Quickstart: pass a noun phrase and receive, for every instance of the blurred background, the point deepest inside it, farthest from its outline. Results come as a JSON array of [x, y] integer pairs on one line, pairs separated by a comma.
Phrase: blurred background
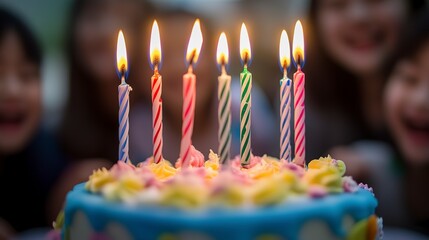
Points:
[[367, 93], [50, 20]]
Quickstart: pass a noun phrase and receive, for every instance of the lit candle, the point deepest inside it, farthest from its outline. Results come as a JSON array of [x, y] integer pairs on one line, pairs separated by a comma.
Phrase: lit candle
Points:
[[189, 94], [156, 83], [285, 98], [299, 94], [246, 99], [224, 96], [124, 104]]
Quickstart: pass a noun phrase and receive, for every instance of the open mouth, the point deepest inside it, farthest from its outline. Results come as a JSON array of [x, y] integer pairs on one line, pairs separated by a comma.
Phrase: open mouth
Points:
[[418, 131], [364, 40], [11, 122]]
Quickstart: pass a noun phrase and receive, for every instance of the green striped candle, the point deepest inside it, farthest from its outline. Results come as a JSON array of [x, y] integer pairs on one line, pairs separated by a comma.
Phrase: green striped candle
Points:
[[224, 95], [246, 99]]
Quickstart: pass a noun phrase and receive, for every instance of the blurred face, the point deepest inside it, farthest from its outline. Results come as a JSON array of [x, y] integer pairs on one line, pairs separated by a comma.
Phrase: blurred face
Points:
[[407, 103], [20, 95], [97, 29], [175, 33], [360, 34]]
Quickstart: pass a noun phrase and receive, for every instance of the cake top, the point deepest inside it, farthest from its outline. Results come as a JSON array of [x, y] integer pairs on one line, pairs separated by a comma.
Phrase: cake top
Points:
[[267, 181]]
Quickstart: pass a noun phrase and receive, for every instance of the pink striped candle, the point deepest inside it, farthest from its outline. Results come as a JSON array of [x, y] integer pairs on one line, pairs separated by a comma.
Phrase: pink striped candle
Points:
[[299, 95], [157, 116], [156, 83], [189, 94], [299, 126]]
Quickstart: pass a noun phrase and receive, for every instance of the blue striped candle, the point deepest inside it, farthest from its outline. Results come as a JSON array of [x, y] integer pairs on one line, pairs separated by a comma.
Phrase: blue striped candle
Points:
[[285, 99], [124, 109], [124, 100]]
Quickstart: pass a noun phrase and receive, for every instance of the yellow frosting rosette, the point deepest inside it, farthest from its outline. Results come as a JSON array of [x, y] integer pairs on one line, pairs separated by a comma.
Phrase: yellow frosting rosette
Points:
[[98, 179], [325, 172], [163, 170], [212, 165], [328, 162], [231, 195], [184, 194], [124, 188], [267, 167], [274, 189]]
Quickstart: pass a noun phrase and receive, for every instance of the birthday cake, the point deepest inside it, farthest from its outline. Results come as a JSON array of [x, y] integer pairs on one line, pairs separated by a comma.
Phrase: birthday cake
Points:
[[270, 199], [249, 197]]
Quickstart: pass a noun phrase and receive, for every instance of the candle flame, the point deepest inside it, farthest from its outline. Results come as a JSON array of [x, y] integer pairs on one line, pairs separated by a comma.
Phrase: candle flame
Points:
[[298, 44], [155, 46], [245, 51], [284, 51], [195, 43], [222, 54], [121, 54]]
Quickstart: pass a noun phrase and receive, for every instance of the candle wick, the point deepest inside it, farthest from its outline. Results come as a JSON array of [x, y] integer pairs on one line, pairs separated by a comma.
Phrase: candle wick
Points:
[[190, 68], [223, 69], [155, 68], [123, 75], [298, 62], [192, 58], [246, 58], [284, 72]]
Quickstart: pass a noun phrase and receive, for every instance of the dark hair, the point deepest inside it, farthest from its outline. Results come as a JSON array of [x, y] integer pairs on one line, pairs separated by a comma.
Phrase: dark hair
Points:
[[416, 35], [8, 23]]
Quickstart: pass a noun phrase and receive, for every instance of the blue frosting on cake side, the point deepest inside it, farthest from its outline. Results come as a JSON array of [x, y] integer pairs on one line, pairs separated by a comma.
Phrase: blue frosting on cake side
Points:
[[284, 220]]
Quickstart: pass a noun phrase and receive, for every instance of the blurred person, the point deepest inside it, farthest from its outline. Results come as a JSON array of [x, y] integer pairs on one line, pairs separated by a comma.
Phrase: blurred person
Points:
[[398, 171], [30, 160], [89, 127], [175, 29], [407, 107], [348, 43]]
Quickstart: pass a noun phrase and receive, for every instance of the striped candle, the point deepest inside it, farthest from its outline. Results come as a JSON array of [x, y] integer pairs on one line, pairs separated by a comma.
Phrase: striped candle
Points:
[[156, 83], [188, 113], [245, 99], [124, 109], [245, 116], [224, 96], [224, 116], [285, 116], [124, 103], [299, 95], [299, 105], [285, 99], [189, 94]]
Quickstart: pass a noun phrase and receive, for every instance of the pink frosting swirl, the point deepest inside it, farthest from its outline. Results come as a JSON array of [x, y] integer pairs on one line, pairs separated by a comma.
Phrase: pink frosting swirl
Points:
[[121, 168], [254, 160], [196, 159], [295, 168]]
